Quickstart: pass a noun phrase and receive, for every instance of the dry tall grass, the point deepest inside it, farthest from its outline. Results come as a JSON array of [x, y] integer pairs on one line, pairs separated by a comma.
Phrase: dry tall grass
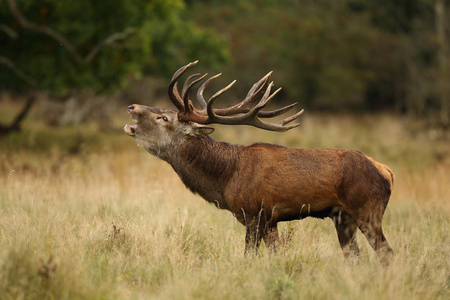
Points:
[[112, 222]]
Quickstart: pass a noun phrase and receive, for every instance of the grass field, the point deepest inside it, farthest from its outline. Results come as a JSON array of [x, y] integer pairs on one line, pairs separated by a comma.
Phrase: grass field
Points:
[[86, 214]]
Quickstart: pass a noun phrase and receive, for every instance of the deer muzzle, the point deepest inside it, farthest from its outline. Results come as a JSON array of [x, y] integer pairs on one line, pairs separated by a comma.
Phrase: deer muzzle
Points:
[[130, 129]]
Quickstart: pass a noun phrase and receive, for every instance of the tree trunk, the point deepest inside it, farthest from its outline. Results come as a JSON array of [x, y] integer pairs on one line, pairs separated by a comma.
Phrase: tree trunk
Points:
[[442, 82], [15, 124]]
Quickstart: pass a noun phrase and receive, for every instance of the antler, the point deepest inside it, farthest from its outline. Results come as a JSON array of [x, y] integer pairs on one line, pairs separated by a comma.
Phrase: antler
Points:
[[247, 112]]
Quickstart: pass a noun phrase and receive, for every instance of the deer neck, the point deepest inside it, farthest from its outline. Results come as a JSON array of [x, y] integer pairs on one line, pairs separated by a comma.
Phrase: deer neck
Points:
[[205, 166]]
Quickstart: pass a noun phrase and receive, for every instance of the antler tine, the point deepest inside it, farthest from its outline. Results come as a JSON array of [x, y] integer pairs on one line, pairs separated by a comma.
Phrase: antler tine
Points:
[[218, 93], [211, 100], [280, 126], [187, 87], [266, 98], [240, 118], [186, 83], [286, 128], [276, 112], [172, 87], [257, 84], [252, 96], [183, 69], [273, 126], [292, 118], [241, 107], [200, 98]]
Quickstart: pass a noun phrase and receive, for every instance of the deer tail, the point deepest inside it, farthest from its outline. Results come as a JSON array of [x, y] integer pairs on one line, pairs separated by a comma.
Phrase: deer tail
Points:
[[385, 172]]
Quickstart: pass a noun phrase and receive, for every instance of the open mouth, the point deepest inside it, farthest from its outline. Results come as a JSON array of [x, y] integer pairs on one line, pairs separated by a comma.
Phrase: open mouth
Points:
[[130, 129]]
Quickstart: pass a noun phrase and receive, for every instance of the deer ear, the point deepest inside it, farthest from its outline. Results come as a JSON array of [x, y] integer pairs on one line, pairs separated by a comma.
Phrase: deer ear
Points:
[[200, 130]]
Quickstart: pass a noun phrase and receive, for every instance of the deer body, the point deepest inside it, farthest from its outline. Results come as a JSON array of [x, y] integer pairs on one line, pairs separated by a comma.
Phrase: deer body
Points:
[[264, 184]]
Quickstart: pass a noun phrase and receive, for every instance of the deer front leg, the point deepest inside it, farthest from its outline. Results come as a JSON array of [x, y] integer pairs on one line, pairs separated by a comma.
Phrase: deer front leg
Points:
[[253, 236]]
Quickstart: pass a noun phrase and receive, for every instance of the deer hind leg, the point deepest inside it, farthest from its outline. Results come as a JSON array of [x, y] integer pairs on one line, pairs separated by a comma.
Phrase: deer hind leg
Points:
[[346, 230], [373, 231]]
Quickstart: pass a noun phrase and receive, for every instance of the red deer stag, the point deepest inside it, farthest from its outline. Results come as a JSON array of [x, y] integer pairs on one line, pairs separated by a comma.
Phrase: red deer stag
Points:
[[264, 184]]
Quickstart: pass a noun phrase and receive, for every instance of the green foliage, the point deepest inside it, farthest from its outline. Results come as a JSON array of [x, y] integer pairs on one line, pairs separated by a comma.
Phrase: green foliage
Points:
[[157, 38], [394, 16]]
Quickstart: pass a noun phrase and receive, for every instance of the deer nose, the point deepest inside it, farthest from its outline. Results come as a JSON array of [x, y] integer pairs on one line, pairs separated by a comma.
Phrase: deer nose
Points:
[[130, 109]]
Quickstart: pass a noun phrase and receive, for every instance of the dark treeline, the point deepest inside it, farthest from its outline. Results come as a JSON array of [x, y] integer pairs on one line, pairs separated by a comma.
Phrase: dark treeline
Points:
[[333, 54], [356, 55]]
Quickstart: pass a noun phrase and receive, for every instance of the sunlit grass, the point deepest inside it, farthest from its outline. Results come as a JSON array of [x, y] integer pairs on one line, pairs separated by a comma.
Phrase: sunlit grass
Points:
[[109, 221]]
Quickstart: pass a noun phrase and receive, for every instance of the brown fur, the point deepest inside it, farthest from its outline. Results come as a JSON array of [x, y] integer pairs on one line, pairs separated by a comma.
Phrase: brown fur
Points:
[[385, 171]]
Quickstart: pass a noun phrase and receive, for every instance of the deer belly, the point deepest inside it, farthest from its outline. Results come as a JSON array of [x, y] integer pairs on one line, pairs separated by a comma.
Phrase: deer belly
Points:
[[296, 211], [304, 202]]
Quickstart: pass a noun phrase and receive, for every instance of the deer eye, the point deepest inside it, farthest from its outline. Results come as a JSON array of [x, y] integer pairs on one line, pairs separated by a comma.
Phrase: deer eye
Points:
[[164, 118]]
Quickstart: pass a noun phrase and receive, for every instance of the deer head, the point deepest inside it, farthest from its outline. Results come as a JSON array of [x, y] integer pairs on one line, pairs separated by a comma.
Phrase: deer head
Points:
[[159, 130]]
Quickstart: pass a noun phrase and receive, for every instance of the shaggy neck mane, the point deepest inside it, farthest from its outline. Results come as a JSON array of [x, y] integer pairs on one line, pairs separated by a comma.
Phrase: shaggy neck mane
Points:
[[205, 166]]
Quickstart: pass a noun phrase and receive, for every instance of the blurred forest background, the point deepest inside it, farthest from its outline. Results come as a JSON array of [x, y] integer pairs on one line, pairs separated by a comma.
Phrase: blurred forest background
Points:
[[331, 55]]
